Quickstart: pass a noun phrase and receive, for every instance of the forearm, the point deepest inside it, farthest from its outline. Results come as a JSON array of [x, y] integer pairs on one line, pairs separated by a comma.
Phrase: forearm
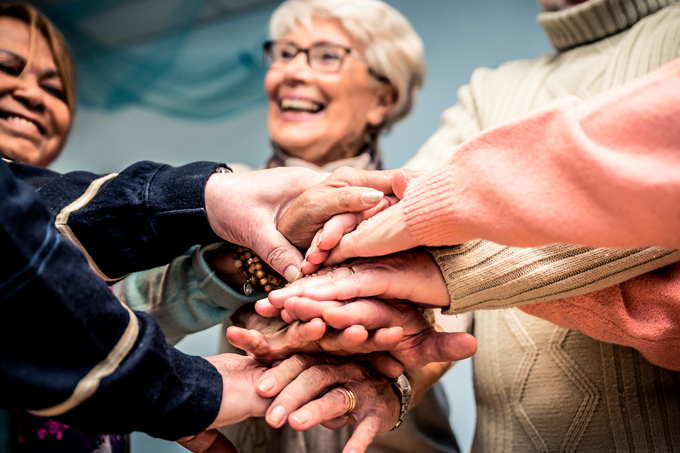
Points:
[[138, 219], [70, 348], [601, 172], [483, 275]]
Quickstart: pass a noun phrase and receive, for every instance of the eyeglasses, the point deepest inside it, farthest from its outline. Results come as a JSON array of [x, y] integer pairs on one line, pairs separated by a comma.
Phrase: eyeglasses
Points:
[[322, 56]]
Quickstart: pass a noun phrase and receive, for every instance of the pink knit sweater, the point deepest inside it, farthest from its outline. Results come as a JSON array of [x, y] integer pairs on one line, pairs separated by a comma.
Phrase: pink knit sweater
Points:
[[603, 172]]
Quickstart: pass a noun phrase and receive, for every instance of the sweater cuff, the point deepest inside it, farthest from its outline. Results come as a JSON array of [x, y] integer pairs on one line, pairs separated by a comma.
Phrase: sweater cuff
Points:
[[428, 210]]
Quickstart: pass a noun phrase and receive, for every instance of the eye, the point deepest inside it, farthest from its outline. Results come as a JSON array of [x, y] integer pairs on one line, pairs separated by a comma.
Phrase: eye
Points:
[[10, 69], [54, 91], [330, 56]]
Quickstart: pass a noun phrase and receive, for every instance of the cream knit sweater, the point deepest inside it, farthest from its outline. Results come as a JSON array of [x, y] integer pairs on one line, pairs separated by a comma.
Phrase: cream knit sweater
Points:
[[539, 386]]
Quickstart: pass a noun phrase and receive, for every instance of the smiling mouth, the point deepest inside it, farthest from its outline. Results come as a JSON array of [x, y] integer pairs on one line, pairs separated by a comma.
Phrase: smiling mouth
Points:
[[12, 118], [300, 106]]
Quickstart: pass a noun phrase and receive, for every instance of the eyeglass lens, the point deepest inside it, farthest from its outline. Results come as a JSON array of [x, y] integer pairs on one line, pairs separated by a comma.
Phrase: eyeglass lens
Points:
[[321, 56]]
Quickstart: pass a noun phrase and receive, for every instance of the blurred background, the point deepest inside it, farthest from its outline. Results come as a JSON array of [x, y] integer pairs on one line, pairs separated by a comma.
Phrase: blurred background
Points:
[[177, 81]]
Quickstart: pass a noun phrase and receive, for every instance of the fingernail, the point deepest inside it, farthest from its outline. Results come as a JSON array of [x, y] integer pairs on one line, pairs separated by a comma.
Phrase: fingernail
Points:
[[267, 385], [291, 273], [406, 177], [301, 416], [276, 415], [304, 263], [318, 243], [274, 292], [371, 196]]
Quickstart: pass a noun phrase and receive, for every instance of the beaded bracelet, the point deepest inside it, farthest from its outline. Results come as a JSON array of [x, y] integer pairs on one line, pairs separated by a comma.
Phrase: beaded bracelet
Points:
[[252, 268]]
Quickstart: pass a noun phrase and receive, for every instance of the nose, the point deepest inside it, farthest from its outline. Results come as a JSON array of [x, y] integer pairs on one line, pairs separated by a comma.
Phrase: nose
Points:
[[29, 93], [298, 68]]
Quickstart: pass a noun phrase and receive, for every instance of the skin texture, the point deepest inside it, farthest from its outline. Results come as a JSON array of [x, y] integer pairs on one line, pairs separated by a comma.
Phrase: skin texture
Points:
[[261, 200], [351, 98], [298, 380], [34, 94]]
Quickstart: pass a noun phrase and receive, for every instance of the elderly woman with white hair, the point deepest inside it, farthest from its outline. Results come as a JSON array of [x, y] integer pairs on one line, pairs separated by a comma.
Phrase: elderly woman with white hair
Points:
[[340, 73]]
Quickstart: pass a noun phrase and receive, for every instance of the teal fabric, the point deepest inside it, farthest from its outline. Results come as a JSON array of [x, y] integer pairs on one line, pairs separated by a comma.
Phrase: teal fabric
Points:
[[8, 429], [193, 71], [185, 296]]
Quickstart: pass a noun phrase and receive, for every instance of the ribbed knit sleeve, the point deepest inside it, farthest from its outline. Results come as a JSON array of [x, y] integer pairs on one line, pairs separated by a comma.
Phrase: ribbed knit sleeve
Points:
[[483, 275]]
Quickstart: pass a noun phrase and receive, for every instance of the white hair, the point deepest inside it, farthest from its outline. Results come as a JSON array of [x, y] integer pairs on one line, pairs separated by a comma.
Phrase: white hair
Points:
[[388, 42]]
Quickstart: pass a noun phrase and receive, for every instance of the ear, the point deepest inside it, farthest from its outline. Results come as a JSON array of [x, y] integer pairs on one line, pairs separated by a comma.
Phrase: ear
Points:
[[385, 98]]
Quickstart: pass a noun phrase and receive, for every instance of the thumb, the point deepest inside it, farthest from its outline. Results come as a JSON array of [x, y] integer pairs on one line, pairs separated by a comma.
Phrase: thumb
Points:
[[280, 254]]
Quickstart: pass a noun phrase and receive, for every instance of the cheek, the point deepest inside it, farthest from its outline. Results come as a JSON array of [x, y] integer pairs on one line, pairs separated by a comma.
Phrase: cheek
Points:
[[61, 117]]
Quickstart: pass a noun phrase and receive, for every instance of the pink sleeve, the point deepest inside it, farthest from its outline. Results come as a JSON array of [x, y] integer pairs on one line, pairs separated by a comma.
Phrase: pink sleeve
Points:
[[643, 313], [603, 172]]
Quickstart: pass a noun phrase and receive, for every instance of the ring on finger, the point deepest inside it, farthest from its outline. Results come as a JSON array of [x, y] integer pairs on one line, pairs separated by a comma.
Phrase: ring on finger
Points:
[[352, 399]]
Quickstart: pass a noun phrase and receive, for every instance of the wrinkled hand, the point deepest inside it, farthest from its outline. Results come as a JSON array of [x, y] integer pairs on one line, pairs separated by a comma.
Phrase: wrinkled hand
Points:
[[239, 397], [333, 231], [412, 276], [346, 191], [298, 381], [394, 326], [244, 209], [272, 339], [208, 441]]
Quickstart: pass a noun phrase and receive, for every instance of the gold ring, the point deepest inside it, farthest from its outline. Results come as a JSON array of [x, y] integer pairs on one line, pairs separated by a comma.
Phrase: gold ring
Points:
[[352, 399]]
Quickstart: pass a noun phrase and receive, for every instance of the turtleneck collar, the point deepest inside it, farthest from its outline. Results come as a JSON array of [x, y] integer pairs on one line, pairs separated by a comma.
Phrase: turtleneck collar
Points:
[[368, 159], [594, 20]]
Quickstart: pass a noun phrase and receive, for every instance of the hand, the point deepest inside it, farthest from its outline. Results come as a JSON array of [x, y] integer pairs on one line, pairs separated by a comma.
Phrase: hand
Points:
[[412, 276], [244, 209], [382, 234], [333, 231], [208, 441], [239, 397], [345, 191], [396, 327], [298, 382]]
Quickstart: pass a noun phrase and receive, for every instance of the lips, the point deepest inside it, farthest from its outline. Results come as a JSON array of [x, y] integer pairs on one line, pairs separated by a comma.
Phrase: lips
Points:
[[297, 105]]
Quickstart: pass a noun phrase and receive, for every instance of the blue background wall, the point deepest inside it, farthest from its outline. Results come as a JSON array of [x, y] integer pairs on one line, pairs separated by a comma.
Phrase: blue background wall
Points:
[[114, 128]]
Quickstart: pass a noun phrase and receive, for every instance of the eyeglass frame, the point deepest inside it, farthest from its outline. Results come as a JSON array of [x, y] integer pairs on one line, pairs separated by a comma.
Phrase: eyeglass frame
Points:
[[267, 45]]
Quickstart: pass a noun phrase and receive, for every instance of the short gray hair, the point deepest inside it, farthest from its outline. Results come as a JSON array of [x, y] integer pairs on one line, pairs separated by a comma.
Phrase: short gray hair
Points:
[[389, 43]]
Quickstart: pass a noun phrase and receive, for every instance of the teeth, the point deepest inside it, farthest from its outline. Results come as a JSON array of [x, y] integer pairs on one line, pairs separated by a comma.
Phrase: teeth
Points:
[[302, 105], [22, 121]]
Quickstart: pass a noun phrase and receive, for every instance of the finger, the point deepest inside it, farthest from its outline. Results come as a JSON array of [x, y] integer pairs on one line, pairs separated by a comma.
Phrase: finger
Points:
[[364, 433], [385, 364], [332, 405], [274, 379], [208, 441], [336, 423], [280, 254], [349, 340], [305, 309], [266, 309], [400, 180], [380, 235], [287, 317], [303, 389], [371, 313], [443, 347], [248, 340]]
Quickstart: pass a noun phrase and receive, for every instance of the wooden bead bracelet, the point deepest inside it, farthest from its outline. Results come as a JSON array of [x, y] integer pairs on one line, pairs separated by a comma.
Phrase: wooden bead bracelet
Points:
[[253, 269]]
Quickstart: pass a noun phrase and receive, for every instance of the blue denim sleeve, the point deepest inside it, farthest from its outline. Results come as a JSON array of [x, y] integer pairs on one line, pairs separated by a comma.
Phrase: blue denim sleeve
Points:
[[70, 350]]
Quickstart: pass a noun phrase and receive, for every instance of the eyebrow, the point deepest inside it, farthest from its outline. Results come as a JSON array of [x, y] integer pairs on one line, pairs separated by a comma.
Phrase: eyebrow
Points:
[[50, 73]]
